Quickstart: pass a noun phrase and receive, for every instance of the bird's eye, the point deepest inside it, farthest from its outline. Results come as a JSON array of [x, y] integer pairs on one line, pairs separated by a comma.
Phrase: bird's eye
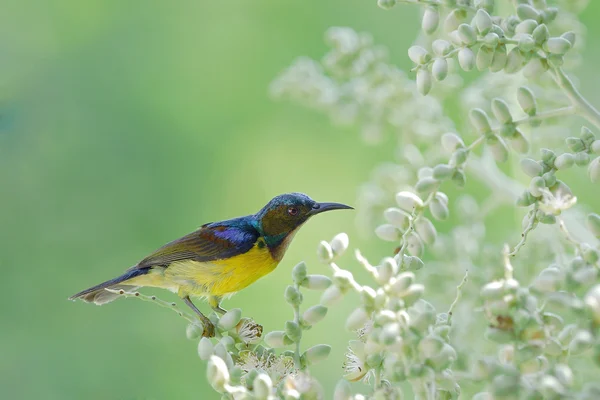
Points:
[[293, 211]]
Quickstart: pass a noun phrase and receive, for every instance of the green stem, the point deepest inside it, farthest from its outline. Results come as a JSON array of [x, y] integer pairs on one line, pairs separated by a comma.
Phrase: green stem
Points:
[[587, 110], [297, 361]]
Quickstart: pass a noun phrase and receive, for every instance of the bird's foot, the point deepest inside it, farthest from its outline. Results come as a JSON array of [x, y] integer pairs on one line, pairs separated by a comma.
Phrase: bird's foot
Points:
[[209, 329]]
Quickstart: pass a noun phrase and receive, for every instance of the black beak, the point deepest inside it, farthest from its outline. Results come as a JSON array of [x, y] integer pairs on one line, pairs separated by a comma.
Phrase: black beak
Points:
[[322, 207]]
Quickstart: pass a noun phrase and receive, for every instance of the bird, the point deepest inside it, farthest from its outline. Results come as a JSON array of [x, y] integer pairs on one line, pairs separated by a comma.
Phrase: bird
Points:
[[218, 259]]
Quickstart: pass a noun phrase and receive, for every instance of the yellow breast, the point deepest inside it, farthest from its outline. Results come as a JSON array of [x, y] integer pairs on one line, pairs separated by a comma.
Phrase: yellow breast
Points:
[[222, 277]]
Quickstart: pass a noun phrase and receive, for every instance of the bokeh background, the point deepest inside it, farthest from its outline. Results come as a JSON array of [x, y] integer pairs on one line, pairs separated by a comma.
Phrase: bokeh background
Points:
[[124, 125]]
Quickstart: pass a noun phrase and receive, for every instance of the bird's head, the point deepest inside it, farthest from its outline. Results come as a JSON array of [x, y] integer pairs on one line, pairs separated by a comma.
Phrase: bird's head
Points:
[[284, 214]]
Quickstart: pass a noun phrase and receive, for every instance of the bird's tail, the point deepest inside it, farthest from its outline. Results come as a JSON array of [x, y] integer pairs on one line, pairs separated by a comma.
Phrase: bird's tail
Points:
[[98, 295]]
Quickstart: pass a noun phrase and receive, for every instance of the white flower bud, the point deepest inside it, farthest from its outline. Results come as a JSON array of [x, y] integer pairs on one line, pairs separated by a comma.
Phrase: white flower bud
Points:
[[593, 224], [519, 142], [263, 386], [454, 19], [316, 353], [205, 348], [526, 100], [499, 60], [314, 314], [339, 244], [292, 296], [415, 245], [594, 170], [525, 11], [293, 331], [194, 330], [402, 282], [299, 272], [275, 339], [217, 373], [531, 167], [324, 252], [413, 293], [592, 301], [582, 341], [570, 36], [498, 148], [342, 390], [409, 201], [526, 43], [386, 4], [466, 58], [483, 21], [357, 319], [439, 69], [438, 209], [450, 142], [331, 296], [441, 47], [419, 55], [467, 34], [387, 232], [316, 282], [501, 111], [541, 34], [535, 68], [557, 45], [431, 20], [386, 270], [564, 374], [515, 61], [426, 230], [424, 81], [484, 58], [427, 185], [564, 161], [480, 121], [396, 217], [526, 26]]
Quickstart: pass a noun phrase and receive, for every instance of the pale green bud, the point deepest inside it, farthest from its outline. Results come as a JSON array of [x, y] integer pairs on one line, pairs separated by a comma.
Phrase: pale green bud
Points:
[[526, 100], [557, 45], [387, 232], [582, 159], [263, 386], [205, 348], [535, 68], [194, 330], [546, 218], [299, 272], [444, 358], [491, 40], [230, 319], [467, 34], [455, 39], [555, 60], [413, 293], [331, 296], [454, 18], [575, 144], [430, 346], [441, 47], [582, 341], [425, 172], [484, 58], [536, 185], [439, 210], [439, 69], [223, 354], [426, 230], [342, 390], [526, 26], [316, 282], [419, 55], [525, 11], [412, 263], [483, 21], [451, 142], [466, 58], [570, 36], [480, 121], [415, 245], [431, 20], [548, 156], [550, 387], [593, 224], [396, 217], [499, 60], [501, 111], [339, 243], [443, 171], [276, 339], [515, 61], [592, 302], [498, 148], [590, 255], [525, 199], [459, 178], [541, 34], [427, 185], [459, 157], [402, 282], [390, 334], [564, 374], [526, 43], [293, 331], [316, 353], [595, 147], [386, 270], [549, 280], [564, 161], [408, 201], [550, 13], [519, 142], [217, 373], [314, 314], [357, 319], [324, 252], [386, 4], [292, 296], [531, 167], [424, 81], [594, 170], [493, 290]]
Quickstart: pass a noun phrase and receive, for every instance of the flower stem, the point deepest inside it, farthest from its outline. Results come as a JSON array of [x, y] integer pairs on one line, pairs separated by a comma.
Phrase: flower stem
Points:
[[587, 110]]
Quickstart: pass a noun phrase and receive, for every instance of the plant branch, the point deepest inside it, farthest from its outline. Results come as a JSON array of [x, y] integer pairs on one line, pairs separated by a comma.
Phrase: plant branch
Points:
[[587, 110]]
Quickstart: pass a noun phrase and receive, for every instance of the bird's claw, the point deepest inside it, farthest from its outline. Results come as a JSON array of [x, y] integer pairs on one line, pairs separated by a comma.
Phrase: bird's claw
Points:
[[209, 329]]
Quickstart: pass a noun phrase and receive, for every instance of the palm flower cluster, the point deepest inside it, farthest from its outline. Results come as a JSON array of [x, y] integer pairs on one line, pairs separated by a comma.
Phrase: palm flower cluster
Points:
[[524, 320]]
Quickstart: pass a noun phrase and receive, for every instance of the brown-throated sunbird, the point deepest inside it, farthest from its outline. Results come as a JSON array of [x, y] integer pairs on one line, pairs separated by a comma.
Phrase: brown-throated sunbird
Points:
[[220, 258]]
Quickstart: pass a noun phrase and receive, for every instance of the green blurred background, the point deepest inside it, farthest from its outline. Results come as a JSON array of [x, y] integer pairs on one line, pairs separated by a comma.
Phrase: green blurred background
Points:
[[124, 125]]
